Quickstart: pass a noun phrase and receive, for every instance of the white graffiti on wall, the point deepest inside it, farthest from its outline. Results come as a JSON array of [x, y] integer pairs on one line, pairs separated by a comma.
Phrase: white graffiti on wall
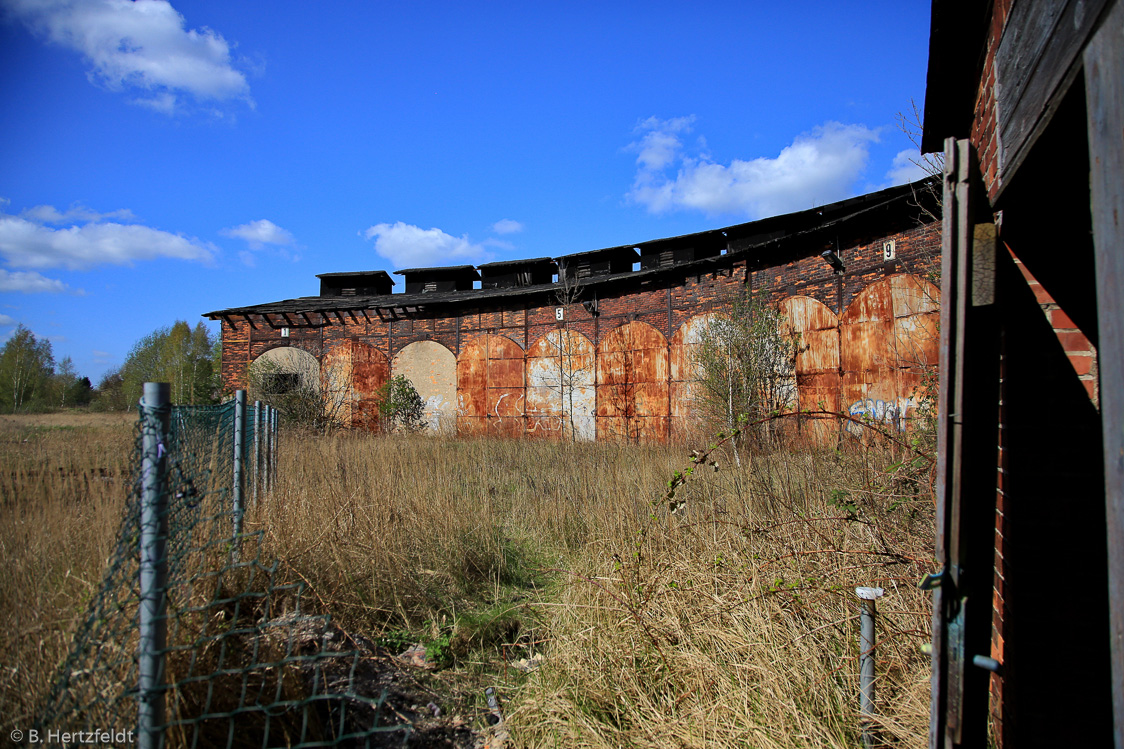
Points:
[[439, 414], [879, 411]]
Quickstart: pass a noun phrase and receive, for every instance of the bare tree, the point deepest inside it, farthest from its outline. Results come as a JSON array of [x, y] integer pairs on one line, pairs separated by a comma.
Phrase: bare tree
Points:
[[575, 376], [928, 196], [744, 365]]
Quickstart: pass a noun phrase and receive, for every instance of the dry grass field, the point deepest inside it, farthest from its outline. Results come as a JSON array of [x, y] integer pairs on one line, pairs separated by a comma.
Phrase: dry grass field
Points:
[[63, 479], [731, 622]]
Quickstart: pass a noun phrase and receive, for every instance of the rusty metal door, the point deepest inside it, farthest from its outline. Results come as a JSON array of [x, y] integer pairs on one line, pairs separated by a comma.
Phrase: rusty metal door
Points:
[[685, 395], [816, 331], [632, 384], [364, 371], [888, 349], [490, 387]]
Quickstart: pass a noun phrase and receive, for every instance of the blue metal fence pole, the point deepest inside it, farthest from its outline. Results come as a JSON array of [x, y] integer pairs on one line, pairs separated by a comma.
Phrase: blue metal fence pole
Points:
[[257, 449], [239, 455], [153, 565], [276, 443]]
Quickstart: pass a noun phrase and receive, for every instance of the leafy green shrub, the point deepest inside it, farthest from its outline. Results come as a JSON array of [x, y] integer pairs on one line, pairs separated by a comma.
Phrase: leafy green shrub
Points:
[[401, 406]]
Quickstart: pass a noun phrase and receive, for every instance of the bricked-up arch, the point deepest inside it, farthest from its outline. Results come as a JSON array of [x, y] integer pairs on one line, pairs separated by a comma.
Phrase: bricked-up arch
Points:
[[685, 397], [816, 332], [283, 370], [561, 386], [889, 343], [355, 373], [632, 384], [490, 387], [432, 369]]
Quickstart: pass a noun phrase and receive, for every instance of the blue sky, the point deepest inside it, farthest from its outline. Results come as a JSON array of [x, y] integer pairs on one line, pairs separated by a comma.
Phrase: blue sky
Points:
[[163, 159]]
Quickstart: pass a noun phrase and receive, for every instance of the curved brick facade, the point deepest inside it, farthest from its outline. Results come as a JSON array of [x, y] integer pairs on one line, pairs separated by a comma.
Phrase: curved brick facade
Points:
[[614, 361]]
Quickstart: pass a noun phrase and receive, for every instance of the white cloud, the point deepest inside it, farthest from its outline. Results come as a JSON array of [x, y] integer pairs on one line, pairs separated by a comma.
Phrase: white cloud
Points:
[[141, 45], [819, 167], [48, 214], [260, 233], [7, 319], [27, 244], [164, 103], [507, 226], [660, 144], [30, 282], [905, 168], [408, 246]]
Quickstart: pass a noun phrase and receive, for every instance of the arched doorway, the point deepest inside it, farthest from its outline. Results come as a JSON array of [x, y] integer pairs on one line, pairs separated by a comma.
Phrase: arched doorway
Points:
[[561, 386], [889, 349], [432, 369], [632, 384], [352, 377], [490, 387]]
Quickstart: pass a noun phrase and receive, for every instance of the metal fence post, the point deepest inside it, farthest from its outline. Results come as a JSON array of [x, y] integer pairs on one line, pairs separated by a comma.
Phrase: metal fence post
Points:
[[153, 565], [257, 450], [266, 447], [867, 597], [239, 454], [271, 427], [275, 443], [266, 440]]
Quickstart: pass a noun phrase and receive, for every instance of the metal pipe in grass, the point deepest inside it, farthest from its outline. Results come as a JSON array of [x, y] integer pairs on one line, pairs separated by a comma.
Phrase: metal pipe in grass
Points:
[[153, 575], [867, 598]]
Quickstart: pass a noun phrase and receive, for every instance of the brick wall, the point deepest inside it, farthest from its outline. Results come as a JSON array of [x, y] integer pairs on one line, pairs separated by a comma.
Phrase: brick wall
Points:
[[665, 303]]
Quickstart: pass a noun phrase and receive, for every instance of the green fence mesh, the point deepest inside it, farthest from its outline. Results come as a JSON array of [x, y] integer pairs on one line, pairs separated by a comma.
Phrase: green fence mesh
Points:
[[244, 665]]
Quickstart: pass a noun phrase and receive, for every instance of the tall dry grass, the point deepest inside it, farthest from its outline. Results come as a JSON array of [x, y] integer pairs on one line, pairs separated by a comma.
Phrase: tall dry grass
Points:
[[397, 530], [735, 622], [731, 622], [63, 481]]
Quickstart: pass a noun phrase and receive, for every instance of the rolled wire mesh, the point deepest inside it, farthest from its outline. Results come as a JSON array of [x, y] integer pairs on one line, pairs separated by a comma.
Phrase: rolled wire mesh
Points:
[[244, 665]]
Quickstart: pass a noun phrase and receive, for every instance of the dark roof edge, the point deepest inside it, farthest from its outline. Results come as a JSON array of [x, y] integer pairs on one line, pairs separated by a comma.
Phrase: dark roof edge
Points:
[[958, 31], [442, 269], [513, 263], [342, 274], [864, 204]]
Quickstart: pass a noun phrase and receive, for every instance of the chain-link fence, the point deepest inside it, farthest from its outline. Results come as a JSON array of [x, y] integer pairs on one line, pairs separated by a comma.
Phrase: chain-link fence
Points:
[[191, 639]]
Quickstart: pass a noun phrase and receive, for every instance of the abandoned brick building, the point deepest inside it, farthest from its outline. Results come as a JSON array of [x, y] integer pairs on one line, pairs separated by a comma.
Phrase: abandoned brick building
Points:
[[1026, 100], [599, 344]]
